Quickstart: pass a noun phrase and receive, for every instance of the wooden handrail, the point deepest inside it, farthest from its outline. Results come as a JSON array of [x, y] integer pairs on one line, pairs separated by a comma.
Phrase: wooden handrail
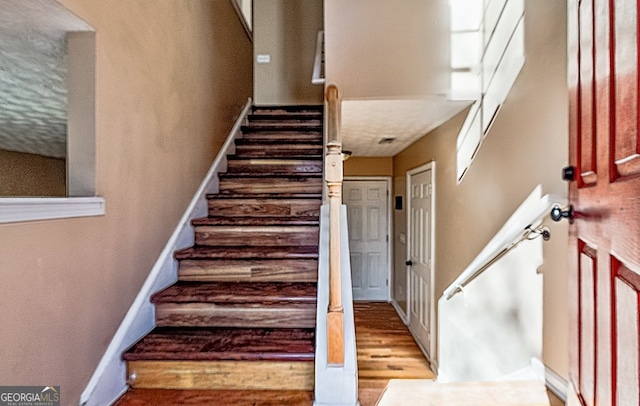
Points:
[[333, 179]]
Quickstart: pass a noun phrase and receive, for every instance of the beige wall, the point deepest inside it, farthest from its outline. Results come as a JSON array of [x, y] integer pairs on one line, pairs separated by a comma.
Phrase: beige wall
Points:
[[31, 175], [171, 77], [287, 31], [365, 166], [527, 146], [382, 48]]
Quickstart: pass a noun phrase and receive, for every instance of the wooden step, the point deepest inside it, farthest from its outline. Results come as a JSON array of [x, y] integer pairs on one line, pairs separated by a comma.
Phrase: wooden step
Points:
[[280, 185], [236, 304], [299, 207], [228, 344], [256, 221], [236, 375], [221, 397], [289, 110], [248, 270], [278, 165], [297, 252], [282, 116], [283, 147], [250, 235], [268, 136], [278, 151]]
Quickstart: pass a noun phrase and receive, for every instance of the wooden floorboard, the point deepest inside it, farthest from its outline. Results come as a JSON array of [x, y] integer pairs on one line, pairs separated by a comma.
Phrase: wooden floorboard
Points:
[[164, 397], [386, 350]]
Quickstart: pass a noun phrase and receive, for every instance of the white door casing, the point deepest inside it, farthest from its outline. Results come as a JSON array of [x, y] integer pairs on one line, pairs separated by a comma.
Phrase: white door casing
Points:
[[420, 253], [367, 201]]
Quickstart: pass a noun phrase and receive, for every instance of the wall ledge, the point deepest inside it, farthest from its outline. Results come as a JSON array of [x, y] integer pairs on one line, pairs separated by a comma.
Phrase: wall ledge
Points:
[[22, 209]]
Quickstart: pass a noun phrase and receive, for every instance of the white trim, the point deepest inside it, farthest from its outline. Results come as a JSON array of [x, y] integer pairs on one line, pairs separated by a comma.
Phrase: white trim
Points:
[[389, 220], [316, 76], [19, 209], [109, 379], [556, 383], [433, 330], [401, 314], [245, 24]]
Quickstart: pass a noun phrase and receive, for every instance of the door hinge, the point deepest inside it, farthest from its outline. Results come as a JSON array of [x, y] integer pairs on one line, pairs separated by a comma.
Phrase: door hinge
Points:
[[430, 189], [387, 282]]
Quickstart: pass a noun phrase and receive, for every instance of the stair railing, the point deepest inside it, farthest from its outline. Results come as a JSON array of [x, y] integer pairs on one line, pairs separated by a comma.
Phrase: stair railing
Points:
[[336, 366], [333, 179]]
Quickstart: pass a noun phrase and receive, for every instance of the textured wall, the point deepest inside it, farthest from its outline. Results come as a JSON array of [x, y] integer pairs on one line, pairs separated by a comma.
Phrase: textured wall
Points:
[[527, 146], [31, 175], [33, 71], [171, 78]]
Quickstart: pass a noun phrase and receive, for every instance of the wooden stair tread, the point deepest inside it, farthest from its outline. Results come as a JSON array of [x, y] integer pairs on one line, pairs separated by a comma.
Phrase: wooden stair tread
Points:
[[140, 397], [167, 343], [284, 252], [287, 141], [275, 115], [260, 293], [301, 196], [291, 159], [257, 221], [289, 109], [295, 175]]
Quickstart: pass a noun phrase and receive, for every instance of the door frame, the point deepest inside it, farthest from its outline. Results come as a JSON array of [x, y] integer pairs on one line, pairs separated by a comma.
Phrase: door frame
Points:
[[386, 179], [431, 351]]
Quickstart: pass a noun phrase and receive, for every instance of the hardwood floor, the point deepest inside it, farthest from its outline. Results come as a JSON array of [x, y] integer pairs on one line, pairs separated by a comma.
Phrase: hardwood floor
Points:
[[386, 350]]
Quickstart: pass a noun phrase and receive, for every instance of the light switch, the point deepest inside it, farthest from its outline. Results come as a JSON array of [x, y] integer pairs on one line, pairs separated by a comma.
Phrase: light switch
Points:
[[263, 58]]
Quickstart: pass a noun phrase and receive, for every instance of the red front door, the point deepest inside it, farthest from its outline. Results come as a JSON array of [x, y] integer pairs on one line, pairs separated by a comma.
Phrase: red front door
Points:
[[605, 236]]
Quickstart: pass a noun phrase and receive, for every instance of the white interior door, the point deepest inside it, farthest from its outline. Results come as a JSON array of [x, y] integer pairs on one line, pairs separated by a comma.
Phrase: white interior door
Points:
[[367, 207], [420, 252]]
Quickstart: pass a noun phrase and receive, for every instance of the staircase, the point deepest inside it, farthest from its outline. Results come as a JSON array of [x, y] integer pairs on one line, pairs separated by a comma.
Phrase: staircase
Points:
[[242, 314]]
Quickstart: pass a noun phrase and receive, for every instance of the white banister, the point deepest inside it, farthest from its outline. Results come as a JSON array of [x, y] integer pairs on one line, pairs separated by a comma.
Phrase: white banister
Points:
[[333, 179]]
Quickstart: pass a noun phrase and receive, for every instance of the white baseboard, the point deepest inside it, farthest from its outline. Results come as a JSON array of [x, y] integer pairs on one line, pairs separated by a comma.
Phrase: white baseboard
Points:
[[401, 314], [556, 384], [108, 382]]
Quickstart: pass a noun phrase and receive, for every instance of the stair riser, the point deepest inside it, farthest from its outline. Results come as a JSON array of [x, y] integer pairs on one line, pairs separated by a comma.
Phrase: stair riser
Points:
[[283, 150], [278, 121], [264, 207], [278, 187], [275, 236], [248, 375], [248, 270], [314, 138], [302, 315], [274, 166]]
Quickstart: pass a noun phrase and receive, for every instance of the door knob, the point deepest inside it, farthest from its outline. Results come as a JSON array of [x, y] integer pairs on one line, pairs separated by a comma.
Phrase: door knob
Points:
[[409, 263], [558, 214]]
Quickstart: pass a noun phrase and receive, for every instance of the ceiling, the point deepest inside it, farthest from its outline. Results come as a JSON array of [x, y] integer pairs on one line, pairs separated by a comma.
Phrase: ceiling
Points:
[[33, 70], [365, 123]]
